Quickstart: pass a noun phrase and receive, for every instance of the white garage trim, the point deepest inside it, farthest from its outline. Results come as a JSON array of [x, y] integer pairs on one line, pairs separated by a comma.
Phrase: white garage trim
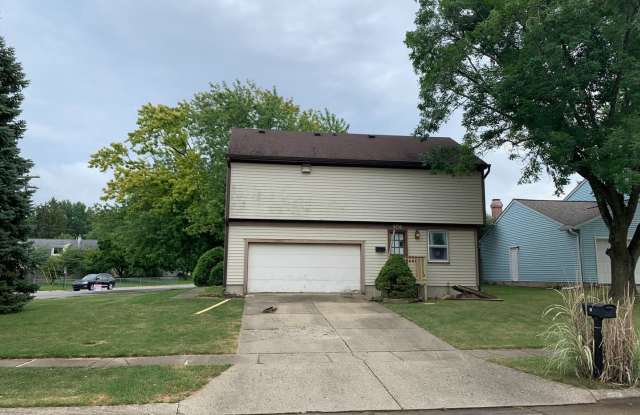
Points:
[[248, 242]]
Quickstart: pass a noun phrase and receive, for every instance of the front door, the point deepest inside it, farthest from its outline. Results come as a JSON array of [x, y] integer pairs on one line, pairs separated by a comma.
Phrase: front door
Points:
[[514, 259]]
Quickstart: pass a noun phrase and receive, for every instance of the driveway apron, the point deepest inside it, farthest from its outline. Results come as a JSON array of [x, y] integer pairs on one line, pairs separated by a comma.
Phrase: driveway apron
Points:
[[331, 353]]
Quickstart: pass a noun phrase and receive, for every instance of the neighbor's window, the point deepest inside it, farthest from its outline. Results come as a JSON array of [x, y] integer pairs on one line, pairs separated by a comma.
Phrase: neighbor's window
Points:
[[438, 246], [57, 250], [396, 242]]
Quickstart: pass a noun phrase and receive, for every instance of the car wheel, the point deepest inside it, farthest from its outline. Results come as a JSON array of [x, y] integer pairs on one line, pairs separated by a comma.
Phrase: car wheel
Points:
[[110, 287], [76, 289], [90, 287]]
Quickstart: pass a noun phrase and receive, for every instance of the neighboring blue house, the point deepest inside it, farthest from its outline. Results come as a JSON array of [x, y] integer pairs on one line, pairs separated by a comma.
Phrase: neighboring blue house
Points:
[[549, 242]]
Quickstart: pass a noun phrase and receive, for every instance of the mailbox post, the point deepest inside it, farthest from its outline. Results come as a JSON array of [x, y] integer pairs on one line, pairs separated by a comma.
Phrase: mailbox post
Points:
[[598, 312]]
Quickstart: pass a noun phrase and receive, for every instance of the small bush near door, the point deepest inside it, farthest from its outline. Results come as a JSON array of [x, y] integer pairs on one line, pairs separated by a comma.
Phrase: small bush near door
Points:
[[208, 270], [395, 279]]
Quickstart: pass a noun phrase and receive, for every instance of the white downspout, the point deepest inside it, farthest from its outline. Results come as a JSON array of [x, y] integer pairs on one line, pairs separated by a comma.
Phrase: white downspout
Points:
[[576, 233]]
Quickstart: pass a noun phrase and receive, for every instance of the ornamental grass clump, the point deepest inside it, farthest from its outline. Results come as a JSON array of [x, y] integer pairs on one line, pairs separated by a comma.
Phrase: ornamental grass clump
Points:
[[569, 337]]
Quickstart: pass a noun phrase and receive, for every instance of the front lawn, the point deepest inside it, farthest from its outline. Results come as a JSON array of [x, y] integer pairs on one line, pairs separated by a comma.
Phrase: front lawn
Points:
[[516, 322], [140, 324], [105, 386]]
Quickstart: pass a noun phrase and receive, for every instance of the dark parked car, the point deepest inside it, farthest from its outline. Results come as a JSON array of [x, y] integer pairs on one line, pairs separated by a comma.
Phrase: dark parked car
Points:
[[91, 280]]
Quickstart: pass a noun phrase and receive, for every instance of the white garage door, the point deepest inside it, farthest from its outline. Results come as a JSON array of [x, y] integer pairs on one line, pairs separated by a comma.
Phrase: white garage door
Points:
[[298, 267], [604, 263]]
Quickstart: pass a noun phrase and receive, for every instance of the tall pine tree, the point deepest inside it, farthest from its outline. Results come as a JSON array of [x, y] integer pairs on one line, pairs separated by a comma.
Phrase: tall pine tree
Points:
[[15, 193]]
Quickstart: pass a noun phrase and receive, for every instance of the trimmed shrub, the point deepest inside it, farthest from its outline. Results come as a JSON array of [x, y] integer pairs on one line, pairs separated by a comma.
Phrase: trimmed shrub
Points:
[[395, 279], [206, 263], [217, 274]]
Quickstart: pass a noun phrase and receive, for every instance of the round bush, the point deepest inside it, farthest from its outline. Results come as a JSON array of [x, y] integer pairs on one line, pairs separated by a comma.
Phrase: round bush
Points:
[[217, 274], [395, 279], [205, 265]]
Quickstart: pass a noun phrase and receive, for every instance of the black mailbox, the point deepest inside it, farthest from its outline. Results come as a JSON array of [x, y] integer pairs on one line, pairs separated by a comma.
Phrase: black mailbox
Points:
[[381, 249], [600, 310]]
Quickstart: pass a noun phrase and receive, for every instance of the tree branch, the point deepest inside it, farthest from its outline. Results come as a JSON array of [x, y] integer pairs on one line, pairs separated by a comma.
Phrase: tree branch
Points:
[[600, 193]]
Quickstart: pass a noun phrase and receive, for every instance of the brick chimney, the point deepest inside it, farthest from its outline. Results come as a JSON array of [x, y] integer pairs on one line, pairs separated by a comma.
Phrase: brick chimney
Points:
[[496, 208]]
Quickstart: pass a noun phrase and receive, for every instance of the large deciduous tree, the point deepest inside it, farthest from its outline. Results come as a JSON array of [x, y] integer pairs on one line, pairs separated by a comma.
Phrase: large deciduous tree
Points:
[[15, 193], [556, 82], [60, 218], [169, 174]]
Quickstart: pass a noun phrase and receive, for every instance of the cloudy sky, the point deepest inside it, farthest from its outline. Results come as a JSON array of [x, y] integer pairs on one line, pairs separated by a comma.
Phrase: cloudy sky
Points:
[[92, 64]]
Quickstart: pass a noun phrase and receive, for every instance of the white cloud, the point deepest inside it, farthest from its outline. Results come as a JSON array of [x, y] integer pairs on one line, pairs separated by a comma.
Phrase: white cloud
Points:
[[73, 181], [93, 64]]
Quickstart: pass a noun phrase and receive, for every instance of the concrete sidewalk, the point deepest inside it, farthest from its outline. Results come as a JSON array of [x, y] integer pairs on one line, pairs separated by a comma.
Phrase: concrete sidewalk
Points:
[[629, 406], [333, 353], [249, 358]]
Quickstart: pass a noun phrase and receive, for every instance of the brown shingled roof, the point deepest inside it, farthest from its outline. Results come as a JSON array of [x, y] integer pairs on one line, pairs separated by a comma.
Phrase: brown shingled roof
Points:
[[336, 149], [564, 211]]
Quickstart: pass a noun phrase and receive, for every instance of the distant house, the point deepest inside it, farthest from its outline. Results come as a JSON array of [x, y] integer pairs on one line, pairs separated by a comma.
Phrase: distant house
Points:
[[548, 241], [58, 246]]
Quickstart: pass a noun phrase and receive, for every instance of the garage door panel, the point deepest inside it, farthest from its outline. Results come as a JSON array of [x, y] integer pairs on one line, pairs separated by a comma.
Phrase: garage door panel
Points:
[[318, 267]]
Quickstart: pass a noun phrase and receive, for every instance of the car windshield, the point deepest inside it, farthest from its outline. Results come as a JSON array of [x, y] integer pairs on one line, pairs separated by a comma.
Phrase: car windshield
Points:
[[89, 277]]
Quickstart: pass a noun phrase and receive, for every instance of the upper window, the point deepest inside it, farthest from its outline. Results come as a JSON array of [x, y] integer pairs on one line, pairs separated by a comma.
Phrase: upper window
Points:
[[397, 242], [438, 246]]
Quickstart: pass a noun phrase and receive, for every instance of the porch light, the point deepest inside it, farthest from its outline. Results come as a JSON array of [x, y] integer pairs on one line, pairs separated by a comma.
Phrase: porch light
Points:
[[417, 234], [305, 168]]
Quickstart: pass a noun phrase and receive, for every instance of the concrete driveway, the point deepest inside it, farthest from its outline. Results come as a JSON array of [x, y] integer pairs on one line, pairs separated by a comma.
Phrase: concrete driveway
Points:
[[334, 353]]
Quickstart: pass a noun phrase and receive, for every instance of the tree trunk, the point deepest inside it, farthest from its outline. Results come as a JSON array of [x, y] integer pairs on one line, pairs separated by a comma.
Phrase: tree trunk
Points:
[[622, 267]]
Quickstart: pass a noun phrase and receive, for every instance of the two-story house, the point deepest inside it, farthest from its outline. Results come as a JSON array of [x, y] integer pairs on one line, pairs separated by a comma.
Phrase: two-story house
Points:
[[549, 242], [321, 212]]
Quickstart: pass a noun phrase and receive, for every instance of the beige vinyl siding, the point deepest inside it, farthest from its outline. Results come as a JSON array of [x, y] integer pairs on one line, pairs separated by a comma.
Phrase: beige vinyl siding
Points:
[[461, 269], [364, 194], [462, 249]]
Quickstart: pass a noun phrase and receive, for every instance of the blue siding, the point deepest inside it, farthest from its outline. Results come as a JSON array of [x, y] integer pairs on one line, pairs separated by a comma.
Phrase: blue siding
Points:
[[582, 193], [547, 254], [588, 232]]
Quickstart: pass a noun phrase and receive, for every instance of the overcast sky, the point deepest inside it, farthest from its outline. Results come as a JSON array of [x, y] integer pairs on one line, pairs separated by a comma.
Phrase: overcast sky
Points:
[[92, 64]]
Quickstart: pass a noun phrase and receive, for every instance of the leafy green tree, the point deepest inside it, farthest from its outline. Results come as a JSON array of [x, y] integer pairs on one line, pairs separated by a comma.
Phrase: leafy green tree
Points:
[[52, 269], [556, 82], [74, 261], [15, 193], [106, 225], [169, 174], [60, 218]]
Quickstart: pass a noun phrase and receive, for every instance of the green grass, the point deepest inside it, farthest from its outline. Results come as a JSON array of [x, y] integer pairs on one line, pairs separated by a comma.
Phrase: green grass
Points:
[[129, 282], [21, 387], [516, 322], [536, 365], [140, 324]]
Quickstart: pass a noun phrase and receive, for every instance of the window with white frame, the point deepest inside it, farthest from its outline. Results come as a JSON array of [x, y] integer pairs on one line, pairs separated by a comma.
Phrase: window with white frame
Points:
[[396, 242], [438, 246]]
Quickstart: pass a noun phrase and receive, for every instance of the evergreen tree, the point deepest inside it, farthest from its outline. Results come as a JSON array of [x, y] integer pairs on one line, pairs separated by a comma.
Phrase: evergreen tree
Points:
[[15, 193]]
